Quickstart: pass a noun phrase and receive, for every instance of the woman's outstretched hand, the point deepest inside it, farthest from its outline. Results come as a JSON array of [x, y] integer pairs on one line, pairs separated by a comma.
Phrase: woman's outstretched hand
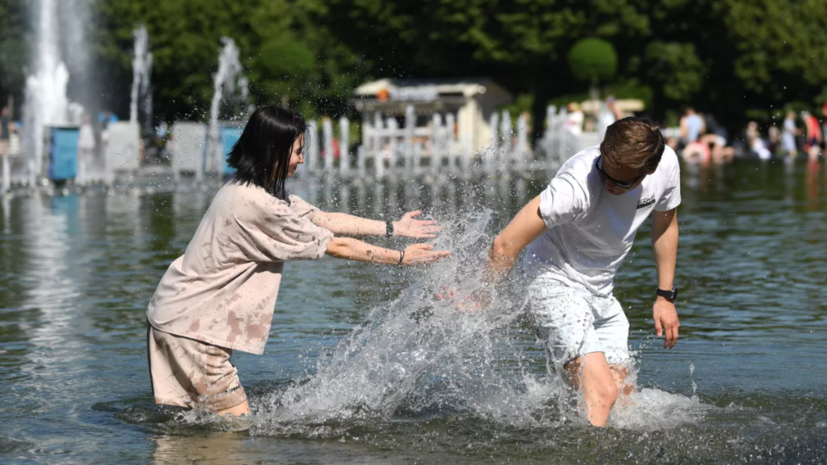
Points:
[[476, 301], [409, 226], [422, 254]]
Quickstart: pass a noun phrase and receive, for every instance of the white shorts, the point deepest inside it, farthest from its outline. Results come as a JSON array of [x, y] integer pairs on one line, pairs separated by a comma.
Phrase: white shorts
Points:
[[574, 322]]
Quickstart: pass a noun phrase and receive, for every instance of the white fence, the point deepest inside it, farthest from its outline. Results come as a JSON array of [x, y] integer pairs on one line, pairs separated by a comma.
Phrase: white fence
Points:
[[388, 149], [117, 154], [409, 150]]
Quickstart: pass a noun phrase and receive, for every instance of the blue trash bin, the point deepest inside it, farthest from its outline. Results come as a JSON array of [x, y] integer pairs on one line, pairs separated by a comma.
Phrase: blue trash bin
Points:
[[229, 136], [63, 153]]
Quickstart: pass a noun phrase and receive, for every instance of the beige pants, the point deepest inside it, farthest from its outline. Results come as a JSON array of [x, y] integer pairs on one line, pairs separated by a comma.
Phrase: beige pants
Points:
[[185, 373]]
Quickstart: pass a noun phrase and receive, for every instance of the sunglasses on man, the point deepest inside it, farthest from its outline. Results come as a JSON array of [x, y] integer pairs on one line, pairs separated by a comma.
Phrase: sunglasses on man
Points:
[[620, 184]]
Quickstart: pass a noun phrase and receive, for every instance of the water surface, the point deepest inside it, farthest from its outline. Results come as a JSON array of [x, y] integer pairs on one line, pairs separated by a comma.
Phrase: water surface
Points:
[[363, 367]]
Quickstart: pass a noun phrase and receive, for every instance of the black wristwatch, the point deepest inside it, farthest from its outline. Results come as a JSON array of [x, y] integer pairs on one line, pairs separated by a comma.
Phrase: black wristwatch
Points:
[[668, 295]]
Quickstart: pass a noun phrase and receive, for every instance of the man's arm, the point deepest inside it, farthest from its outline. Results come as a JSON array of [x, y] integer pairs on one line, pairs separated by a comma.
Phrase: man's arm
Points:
[[665, 246], [521, 231], [342, 223]]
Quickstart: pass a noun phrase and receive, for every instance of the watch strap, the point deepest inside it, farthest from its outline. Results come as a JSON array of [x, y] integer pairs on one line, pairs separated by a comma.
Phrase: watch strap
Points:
[[669, 295]]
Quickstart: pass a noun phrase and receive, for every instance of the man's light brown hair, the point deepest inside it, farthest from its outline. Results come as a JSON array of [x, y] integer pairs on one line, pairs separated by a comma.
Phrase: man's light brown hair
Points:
[[634, 143]]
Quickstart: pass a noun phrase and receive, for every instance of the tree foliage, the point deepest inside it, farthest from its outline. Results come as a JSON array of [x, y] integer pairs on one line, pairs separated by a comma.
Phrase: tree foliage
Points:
[[723, 56], [14, 49], [675, 68], [592, 59], [286, 56], [782, 45]]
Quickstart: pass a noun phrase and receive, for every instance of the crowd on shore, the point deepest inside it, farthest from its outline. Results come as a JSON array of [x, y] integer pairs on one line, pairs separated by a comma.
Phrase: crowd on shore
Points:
[[700, 139]]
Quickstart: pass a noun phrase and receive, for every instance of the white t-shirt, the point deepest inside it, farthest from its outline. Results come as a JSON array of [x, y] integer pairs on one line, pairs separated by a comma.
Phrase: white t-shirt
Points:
[[590, 229]]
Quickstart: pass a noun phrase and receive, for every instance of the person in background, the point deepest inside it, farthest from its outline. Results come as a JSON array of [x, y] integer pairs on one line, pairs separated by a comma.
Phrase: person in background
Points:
[[617, 112], [104, 118], [86, 150], [814, 137], [756, 143], [697, 152], [574, 119], [788, 136], [824, 125], [691, 127], [773, 138], [715, 138], [524, 120]]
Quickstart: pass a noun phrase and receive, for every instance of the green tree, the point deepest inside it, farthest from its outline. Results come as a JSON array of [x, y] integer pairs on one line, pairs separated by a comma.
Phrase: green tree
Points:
[[14, 50], [724, 56], [675, 69], [285, 55], [593, 60], [782, 47], [519, 43]]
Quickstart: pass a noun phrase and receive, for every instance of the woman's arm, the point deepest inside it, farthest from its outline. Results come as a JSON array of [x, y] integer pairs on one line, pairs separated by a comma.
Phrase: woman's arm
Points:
[[350, 225], [353, 249]]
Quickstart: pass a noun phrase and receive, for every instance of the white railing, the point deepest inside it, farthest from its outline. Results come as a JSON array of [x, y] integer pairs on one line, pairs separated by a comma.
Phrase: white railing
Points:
[[387, 150], [436, 149]]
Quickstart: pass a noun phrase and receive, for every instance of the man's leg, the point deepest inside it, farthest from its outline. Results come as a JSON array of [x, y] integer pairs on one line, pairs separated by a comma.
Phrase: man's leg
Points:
[[612, 328], [592, 375], [565, 321]]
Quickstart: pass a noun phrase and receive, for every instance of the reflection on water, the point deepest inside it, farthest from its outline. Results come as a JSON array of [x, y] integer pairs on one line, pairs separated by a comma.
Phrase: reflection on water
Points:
[[745, 382]]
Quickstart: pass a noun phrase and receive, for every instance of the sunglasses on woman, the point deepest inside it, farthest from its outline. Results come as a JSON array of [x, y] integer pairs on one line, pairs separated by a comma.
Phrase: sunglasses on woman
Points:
[[620, 184]]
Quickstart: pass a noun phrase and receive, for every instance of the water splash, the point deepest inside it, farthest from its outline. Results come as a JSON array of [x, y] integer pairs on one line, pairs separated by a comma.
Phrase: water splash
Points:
[[417, 356], [46, 100], [227, 79], [694, 385], [141, 71]]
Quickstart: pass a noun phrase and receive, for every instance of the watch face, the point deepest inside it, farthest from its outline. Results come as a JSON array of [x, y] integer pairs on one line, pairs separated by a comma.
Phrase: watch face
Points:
[[669, 295]]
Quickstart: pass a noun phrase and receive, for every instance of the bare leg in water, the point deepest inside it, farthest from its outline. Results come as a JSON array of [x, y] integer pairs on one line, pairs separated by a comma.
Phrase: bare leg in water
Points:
[[601, 384]]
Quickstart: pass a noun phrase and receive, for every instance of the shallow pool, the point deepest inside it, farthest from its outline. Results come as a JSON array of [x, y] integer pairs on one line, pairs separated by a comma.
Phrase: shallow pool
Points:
[[363, 366]]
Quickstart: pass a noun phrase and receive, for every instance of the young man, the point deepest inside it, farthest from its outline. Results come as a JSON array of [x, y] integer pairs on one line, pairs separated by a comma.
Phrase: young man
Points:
[[578, 231]]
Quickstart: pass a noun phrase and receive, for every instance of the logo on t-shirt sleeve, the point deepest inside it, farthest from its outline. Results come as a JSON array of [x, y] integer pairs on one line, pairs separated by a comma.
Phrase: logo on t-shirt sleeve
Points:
[[646, 202]]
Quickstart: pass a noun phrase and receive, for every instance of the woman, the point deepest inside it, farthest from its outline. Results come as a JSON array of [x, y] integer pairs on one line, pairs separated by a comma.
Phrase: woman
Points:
[[220, 295]]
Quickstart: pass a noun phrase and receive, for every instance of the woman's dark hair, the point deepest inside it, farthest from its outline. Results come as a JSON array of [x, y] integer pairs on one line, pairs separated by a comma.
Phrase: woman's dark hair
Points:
[[265, 145]]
